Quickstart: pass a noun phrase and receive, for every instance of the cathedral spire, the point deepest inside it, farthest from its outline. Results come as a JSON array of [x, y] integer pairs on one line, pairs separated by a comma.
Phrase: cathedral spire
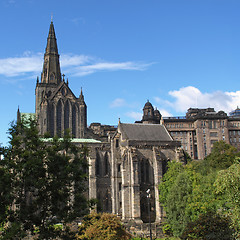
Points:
[[51, 68]]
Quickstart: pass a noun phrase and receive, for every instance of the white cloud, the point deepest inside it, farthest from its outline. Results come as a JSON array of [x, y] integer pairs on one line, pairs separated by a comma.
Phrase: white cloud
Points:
[[69, 60], [134, 115], [17, 66], [78, 65], [108, 66], [190, 96], [165, 113], [118, 102]]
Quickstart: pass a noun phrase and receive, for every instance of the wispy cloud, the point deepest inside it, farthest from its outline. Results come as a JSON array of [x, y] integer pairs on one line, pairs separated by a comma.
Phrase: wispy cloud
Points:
[[118, 102], [190, 96], [95, 66], [17, 66], [77, 65], [78, 20], [134, 115]]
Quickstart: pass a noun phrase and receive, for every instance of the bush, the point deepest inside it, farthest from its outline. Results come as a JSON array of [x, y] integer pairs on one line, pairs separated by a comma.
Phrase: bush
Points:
[[102, 226], [208, 226]]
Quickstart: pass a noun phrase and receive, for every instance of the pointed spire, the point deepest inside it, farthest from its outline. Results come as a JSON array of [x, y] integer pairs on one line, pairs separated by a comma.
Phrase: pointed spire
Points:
[[51, 67], [51, 41], [81, 97]]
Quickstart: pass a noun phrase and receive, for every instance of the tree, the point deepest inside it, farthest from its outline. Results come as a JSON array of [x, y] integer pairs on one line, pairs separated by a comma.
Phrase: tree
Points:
[[168, 180], [186, 194], [177, 201], [48, 181], [227, 184], [102, 226], [5, 194], [188, 191], [209, 226], [221, 157]]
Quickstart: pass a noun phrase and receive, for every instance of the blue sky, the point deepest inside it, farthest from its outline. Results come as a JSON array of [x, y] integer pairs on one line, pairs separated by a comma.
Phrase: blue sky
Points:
[[176, 53]]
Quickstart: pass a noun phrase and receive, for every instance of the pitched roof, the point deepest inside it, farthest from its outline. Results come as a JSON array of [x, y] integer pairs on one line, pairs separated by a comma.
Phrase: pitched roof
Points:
[[144, 132]]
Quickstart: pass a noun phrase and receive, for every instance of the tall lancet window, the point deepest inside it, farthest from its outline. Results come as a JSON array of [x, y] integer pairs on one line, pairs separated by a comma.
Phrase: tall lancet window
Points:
[[106, 163], [66, 116], [97, 165], [74, 116], [59, 118], [50, 113]]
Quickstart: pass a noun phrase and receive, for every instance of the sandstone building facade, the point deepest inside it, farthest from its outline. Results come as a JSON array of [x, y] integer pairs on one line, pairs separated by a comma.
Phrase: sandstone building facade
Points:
[[201, 128]]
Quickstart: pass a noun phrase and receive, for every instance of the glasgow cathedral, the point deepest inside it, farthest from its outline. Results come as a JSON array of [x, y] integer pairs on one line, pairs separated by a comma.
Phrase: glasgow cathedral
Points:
[[127, 160]]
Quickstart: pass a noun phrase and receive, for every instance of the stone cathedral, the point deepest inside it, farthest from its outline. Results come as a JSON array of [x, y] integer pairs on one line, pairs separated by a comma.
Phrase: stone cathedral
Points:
[[124, 161], [57, 108]]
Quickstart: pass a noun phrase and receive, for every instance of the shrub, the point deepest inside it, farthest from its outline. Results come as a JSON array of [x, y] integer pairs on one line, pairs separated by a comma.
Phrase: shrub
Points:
[[102, 226]]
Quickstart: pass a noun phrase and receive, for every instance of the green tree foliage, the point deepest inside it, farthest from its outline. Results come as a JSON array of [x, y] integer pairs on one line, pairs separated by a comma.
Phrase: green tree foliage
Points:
[[169, 178], [227, 185], [221, 157], [5, 195], [48, 181], [186, 192], [177, 202], [102, 226], [209, 226]]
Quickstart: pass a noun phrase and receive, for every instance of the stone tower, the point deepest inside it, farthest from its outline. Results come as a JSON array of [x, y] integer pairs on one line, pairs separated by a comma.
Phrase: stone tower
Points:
[[150, 115], [57, 108]]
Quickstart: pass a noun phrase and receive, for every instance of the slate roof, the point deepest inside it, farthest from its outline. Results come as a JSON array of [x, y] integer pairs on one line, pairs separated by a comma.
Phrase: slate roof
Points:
[[144, 132]]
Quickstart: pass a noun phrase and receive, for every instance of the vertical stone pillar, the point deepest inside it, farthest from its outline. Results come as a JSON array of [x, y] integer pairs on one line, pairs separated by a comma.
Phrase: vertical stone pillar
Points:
[[125, 194], [70, 118], [92, 179], [135, 189], [157, 170], [113, 178]]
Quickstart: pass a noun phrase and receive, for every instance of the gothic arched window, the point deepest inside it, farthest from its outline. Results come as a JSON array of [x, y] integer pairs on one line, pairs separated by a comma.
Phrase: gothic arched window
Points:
[[66, 116], [50, 113], [74, 120], [97, 166], [145, 171], [59, 118], [106, 163]]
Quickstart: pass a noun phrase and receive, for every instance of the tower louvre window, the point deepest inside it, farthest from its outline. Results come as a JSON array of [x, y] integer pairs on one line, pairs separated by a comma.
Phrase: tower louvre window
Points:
[[52, 77]]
